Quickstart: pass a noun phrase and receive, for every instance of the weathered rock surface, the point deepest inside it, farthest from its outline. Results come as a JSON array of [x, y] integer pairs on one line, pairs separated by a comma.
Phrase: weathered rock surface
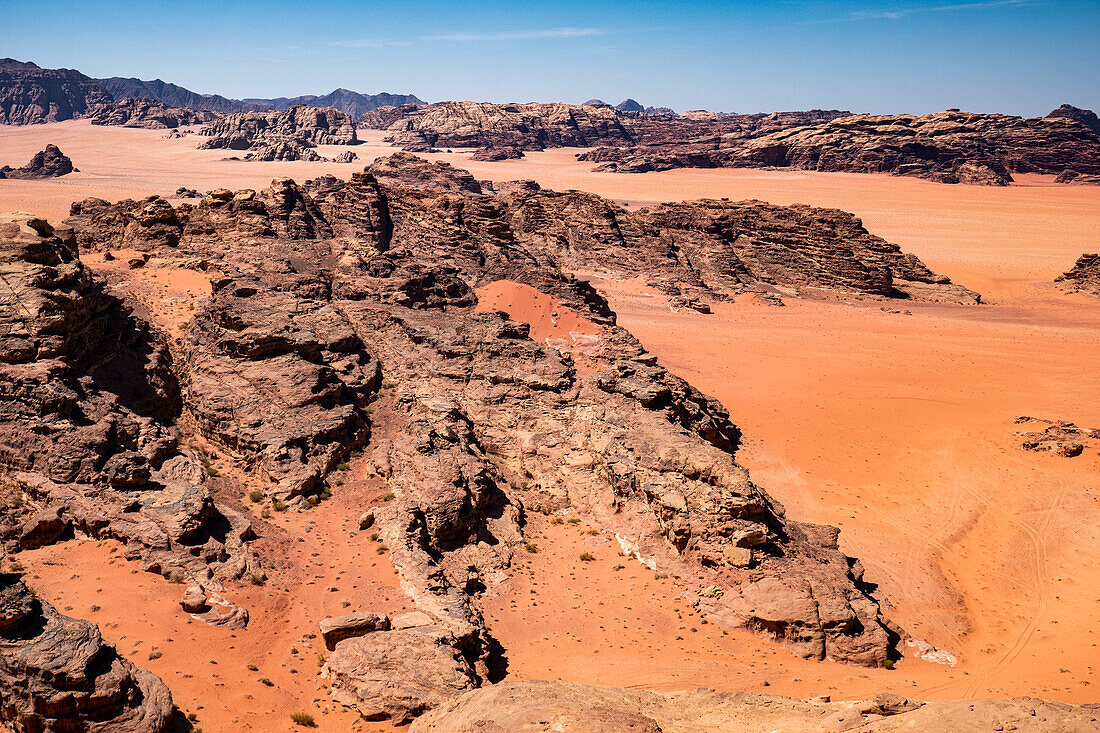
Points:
[[337, 628], [149, 115], [1086, 117], [398, 674], [537, 707], [31, 95], [481, 125], [1084, 277], [1078, 179], [48, 163], [58, 674], [342, 318], [951, 147], [88, 395], [1056, 436], [301, 125]]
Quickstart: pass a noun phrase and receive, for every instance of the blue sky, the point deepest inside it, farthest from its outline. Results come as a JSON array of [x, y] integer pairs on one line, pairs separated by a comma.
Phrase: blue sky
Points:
[[1016, 56]]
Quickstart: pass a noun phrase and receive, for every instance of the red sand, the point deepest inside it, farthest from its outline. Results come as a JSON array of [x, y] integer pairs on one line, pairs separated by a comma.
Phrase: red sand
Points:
[[549, 321]]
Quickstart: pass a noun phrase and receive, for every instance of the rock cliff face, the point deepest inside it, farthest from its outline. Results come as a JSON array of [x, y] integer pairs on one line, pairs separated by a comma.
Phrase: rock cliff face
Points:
[[149, 115], [31, 95], [951, 147], [1083, 277], [481, 125], [556, 706], [89, 395], [308, 126], [49, 163], [58, 674]]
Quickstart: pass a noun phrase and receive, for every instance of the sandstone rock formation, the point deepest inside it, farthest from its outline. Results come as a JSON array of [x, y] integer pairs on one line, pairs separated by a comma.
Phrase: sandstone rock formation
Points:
[[1056, 436], [342, 318], [48, 163], [1083, 277], [538, 707], [1076, 178], [480, 125], [58, 674], [31, 95], [1086, 117], [306, 126], [84, 425], [149, 115], [951, 147]]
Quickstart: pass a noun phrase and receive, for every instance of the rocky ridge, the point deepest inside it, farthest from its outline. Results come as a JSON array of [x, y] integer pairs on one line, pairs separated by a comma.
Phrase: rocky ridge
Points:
[[949, 147], [47, 163], [1083, 277], [149, 115], [85, 426], [288, 135], [33, 95], [342, 319]]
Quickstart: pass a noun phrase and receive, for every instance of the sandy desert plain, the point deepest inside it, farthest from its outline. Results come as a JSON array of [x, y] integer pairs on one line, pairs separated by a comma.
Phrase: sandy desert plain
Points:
[[893, 423]]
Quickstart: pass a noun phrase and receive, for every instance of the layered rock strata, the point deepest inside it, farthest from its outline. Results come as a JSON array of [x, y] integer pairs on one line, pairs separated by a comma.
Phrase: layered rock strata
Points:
[[150, 115]]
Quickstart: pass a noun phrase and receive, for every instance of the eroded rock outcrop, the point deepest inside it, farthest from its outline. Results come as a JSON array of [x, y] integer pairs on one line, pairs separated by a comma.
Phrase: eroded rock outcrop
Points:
[[566, 706], [1086, 117], [32, 95], [481, 125], [342, 317], [305, 126], [48, 163], [58, 674], [950, 147], [88, 398], [1083, 277], [149, 115], [1056, 436]]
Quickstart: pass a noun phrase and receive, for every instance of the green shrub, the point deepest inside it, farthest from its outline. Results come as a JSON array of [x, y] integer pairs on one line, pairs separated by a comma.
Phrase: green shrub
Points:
[[255, 496], [303, 719], [531, 547], [587, 557]]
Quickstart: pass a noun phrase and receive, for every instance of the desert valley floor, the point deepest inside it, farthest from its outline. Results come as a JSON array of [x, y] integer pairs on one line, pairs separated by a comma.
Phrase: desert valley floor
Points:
[[891, 420]]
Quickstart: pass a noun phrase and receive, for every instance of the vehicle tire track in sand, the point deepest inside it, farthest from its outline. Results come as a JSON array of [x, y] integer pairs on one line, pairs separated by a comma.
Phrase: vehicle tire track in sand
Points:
[[1038, 552]]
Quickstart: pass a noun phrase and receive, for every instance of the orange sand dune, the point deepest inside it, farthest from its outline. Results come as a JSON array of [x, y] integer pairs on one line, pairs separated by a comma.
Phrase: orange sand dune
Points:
[[898, 428]]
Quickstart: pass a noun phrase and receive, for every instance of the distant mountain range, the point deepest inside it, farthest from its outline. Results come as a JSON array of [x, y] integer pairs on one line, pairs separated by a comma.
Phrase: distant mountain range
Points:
[[631, 105], [345, 100], [30, 94]]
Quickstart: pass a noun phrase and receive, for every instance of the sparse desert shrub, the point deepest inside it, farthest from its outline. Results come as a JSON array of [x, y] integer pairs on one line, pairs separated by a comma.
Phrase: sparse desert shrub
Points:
[[255, 496], [278, 505], [556, 520], [381, 549], [343, 466], [531, 547], [303, 719], [887, 663], [373, 536], [573, 520], [256, 579], [587, 557], [175, 579], [389, 497], [15, 566], [326, 492]]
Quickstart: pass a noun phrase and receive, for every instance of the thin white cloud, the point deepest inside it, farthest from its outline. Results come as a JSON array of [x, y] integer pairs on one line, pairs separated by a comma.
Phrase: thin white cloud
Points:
[[519, 35], [905, 12], [370, 43]]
